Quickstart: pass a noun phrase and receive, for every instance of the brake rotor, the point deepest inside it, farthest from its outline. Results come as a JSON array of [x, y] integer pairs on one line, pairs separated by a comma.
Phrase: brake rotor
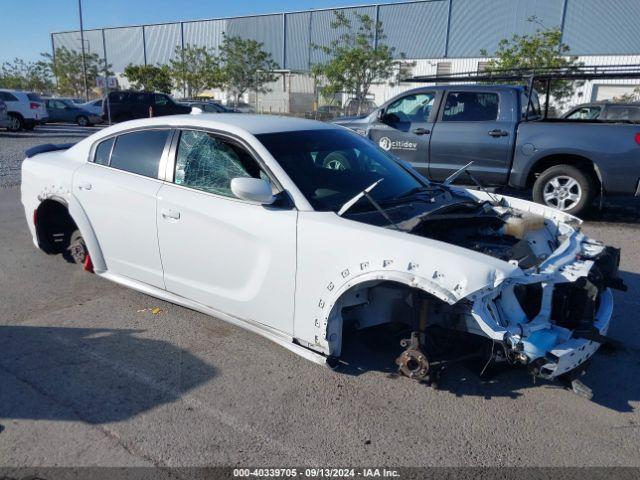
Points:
[[414, 364]]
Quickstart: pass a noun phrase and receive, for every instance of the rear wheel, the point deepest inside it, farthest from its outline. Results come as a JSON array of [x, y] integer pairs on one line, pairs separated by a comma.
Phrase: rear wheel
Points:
[[16, 123], [82, 121], [565, 188]]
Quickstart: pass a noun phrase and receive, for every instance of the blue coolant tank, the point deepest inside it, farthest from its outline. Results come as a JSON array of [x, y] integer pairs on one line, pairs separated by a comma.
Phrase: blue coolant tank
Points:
[[539, 343]]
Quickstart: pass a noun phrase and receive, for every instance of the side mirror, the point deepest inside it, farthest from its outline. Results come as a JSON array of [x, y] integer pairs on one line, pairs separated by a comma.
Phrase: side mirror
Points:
[[252, 190], [380, 115]]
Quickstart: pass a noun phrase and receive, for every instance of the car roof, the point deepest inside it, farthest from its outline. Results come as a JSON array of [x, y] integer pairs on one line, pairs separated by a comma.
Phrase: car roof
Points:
[[250, 123], [610, 103]]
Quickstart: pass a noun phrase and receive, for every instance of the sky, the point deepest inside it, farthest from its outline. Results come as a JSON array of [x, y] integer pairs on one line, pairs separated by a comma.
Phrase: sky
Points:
[[26, 25]]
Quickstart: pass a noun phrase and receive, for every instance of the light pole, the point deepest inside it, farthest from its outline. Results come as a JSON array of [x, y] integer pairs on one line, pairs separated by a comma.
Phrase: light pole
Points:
[[84, 61]]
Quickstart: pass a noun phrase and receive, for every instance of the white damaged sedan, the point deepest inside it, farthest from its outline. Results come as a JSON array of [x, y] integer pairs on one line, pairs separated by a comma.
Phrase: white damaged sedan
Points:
[[300, 230]]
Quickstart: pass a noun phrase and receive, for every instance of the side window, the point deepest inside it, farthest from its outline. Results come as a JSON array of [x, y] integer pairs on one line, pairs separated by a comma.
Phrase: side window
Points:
[[139, 152], [8, 97], [470, 107], [160, 100], [103, 152], [208, 163], [412, 108], [584, 113]]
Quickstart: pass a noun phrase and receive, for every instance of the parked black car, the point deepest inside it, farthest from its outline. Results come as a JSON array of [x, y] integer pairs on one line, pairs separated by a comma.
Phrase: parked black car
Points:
[[127, 105], [208, 106]]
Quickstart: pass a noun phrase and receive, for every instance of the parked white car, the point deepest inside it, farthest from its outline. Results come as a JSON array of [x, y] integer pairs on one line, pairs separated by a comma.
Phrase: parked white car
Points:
[[25, 109], [245, 218]]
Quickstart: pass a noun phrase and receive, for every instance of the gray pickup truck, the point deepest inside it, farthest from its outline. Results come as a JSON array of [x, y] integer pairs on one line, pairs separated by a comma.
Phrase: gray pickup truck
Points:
[[567, 163]]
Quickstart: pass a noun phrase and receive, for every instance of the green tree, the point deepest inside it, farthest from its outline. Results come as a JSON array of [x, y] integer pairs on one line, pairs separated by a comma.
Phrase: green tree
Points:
[[149, 77], [245, 66], [21, 75], [358, 58], [633, 96], [194, 69], [528, 53], [66, 66]]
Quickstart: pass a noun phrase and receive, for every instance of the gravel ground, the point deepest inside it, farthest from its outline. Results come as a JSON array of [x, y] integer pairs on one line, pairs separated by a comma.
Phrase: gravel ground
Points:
[[13, 145], [90, 376]]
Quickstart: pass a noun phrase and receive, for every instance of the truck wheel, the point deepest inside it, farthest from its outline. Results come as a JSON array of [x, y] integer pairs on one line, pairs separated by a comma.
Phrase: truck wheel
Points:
[[15, 123], [336, 161], [565, 188]]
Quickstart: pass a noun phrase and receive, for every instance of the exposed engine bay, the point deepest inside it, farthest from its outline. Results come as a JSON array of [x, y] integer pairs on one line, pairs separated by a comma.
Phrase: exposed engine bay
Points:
[[551, 315]]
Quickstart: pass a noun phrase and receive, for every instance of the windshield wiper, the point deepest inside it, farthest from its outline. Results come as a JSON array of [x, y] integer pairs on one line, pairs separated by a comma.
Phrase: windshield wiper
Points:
[[365, 193], [481, 187]]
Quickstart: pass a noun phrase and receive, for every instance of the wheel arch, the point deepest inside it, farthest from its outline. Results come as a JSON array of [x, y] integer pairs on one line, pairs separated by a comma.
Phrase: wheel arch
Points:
[[581, 162], [53, 208], [329, 320]]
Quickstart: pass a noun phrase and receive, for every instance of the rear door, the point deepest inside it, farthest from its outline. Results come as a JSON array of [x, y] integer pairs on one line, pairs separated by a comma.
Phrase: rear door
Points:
[[474, 126], [405, 129], [117, 190]]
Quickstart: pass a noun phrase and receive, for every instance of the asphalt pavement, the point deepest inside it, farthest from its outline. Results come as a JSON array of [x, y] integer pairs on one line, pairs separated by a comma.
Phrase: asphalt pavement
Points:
[[91, 374]]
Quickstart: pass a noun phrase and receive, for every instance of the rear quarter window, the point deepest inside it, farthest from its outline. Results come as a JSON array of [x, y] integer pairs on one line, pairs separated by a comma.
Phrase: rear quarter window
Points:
[[103, 152], [34, 97]]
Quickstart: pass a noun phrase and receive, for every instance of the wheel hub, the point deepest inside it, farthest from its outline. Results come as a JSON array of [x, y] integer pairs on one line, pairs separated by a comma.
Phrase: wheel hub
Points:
[[562, 192], [78, 252]]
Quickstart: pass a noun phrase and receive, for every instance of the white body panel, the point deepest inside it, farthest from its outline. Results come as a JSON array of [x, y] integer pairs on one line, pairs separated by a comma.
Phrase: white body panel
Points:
[[234, 256], [122, 209]]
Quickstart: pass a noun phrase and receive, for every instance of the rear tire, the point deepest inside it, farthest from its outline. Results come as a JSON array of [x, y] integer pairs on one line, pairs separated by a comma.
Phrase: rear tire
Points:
[[16, 123], [565, 188]]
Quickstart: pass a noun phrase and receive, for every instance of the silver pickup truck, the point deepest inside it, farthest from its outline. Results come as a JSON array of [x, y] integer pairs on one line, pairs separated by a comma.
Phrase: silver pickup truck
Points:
[[439, 129]]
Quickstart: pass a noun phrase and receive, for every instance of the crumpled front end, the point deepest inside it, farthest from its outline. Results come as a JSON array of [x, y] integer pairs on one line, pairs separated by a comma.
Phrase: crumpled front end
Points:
[[554, 319], [555, 314]]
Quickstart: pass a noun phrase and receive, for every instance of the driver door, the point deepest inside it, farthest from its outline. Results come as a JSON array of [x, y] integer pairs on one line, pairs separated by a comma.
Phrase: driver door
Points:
[[405, 129], [234, 256]]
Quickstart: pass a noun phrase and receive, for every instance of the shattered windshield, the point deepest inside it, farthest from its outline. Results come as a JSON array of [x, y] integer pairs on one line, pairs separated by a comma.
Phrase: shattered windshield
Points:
[[332, 166]]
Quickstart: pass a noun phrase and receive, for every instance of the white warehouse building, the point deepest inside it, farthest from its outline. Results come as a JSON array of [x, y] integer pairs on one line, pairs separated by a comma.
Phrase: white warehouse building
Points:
[[437, 36]]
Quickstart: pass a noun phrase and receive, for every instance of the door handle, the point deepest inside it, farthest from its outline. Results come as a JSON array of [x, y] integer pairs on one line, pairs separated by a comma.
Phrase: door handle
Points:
[[84, 186], [421, 131], [498, 133], [173, 214]]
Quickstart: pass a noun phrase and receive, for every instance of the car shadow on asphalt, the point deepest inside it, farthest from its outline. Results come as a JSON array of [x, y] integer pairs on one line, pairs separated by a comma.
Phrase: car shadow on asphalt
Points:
[[615, 210], [612, 374], [93, 375]]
